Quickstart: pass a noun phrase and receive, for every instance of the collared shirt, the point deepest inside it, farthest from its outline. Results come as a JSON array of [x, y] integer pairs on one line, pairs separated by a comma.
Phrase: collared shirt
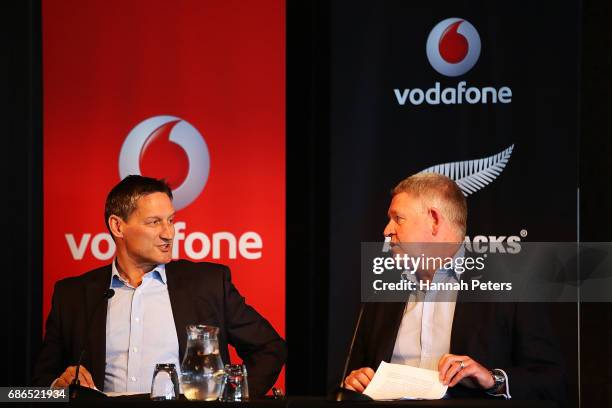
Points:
[[425, 330], [140, 332]]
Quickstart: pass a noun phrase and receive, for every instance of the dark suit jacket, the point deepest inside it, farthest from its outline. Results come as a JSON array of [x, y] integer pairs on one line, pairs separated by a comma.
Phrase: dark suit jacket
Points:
[[514, 337], [199, 293]]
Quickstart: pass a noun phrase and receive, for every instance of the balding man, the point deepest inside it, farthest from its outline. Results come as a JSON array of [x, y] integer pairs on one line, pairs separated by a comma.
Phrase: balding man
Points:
[[480, 349]]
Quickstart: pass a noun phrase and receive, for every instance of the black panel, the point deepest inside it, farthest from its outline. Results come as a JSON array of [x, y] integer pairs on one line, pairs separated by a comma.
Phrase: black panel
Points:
[[22, 201], [307, 196]]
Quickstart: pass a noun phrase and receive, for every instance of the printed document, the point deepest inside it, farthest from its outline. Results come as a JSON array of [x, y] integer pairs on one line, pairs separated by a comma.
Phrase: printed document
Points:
[[397, 381]]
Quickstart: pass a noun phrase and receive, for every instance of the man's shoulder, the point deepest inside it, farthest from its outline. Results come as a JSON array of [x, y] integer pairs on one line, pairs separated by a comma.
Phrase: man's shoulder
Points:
[[70, 287], [76, 282], [185, 268]]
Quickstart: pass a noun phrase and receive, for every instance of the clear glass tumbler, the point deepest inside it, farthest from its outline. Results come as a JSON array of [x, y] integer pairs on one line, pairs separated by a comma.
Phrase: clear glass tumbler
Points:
[[236, 387], [165, 384]]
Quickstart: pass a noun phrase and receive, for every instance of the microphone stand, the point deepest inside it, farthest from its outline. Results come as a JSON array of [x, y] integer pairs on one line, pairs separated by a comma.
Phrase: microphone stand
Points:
[[75, 389], [341, 393]]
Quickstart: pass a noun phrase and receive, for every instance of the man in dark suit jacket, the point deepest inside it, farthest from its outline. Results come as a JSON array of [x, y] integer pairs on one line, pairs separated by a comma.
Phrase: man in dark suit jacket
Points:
[[483, 349], [515, 337], [140, 217]]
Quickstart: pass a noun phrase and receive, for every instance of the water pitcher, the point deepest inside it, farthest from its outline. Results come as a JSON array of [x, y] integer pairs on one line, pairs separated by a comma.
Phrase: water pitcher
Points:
[[202, 374]]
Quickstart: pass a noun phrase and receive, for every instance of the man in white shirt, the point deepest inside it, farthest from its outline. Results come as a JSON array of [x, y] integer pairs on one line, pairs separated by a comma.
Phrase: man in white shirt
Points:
[[478, 349]]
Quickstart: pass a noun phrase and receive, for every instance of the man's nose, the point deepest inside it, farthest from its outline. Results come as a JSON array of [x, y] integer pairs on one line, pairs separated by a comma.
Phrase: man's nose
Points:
[[167, 231], [389, 229]]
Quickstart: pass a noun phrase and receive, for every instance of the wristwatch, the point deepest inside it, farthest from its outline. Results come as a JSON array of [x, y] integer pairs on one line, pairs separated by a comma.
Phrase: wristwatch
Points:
[[500, 382]]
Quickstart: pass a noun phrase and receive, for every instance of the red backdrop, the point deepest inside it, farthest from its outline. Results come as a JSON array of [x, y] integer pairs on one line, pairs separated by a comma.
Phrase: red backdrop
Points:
[[218, 65]]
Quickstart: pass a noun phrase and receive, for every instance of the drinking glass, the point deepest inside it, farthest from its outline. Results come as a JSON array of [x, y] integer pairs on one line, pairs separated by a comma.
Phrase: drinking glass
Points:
[[165, 384], [236, 387]]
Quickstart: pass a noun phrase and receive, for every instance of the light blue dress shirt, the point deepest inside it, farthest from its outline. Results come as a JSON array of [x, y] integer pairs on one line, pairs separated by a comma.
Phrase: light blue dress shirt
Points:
[[140, 332]]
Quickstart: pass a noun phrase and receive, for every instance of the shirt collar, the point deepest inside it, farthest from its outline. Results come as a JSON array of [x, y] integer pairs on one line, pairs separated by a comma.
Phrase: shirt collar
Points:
[[439, 273], [451, 271], [159, 273]]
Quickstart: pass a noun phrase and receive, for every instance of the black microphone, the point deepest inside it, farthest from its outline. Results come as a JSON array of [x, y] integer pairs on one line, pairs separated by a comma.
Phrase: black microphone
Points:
[[341, 393], [75, 385]]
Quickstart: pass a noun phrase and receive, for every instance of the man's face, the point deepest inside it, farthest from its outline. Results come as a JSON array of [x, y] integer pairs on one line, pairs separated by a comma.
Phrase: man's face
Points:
[[408, 220], [149, 231]]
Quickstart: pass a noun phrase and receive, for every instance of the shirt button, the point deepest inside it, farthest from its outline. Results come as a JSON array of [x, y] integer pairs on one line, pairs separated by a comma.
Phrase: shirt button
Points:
[[135, 349], [137, 319], [133, 379]]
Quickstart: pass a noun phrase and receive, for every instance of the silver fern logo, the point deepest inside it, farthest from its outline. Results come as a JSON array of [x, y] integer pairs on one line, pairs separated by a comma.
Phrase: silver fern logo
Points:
[[474, 175]]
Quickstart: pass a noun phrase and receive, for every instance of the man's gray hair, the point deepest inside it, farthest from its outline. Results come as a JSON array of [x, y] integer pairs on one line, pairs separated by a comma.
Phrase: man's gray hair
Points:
[[436, 190]]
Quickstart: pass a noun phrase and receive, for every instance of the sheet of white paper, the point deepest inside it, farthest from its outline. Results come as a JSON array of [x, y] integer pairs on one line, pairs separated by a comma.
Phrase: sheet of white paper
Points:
[[395, 381], [121, 394]]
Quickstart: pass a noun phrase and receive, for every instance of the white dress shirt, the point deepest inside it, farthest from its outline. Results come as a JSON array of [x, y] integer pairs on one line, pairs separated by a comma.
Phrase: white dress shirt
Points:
[[425, 330]]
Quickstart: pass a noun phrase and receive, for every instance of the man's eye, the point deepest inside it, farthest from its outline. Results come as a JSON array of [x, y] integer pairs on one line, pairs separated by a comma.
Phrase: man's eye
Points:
[[171, 221]]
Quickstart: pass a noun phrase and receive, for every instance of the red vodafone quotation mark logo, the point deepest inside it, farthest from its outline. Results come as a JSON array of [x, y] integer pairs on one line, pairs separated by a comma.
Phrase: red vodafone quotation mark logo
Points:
[[171, 148], [453, 47]]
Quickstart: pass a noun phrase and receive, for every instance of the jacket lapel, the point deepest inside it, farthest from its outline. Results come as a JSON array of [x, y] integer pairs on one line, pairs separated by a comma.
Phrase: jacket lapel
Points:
[[391, 318], [459, 326], [96, 309], [182, 305]]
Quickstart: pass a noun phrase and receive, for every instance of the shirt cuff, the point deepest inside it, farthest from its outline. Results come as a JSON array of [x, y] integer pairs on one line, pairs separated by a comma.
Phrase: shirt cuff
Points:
[[506, 394]]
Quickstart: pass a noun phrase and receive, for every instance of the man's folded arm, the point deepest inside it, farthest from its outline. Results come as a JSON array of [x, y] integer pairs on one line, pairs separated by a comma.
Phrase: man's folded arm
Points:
[[261, 348], [538, 371]]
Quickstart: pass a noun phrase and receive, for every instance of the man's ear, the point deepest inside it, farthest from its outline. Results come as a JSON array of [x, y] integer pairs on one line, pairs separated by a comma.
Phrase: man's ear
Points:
[[435, 217], [116, 225]]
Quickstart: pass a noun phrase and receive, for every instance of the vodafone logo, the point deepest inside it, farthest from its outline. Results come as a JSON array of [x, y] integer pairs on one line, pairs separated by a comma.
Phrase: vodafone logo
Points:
[[171, 148], [453, 47]]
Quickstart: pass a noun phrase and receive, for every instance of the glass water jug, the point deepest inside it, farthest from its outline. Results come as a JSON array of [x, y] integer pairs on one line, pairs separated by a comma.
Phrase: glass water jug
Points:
[[202, 374]]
